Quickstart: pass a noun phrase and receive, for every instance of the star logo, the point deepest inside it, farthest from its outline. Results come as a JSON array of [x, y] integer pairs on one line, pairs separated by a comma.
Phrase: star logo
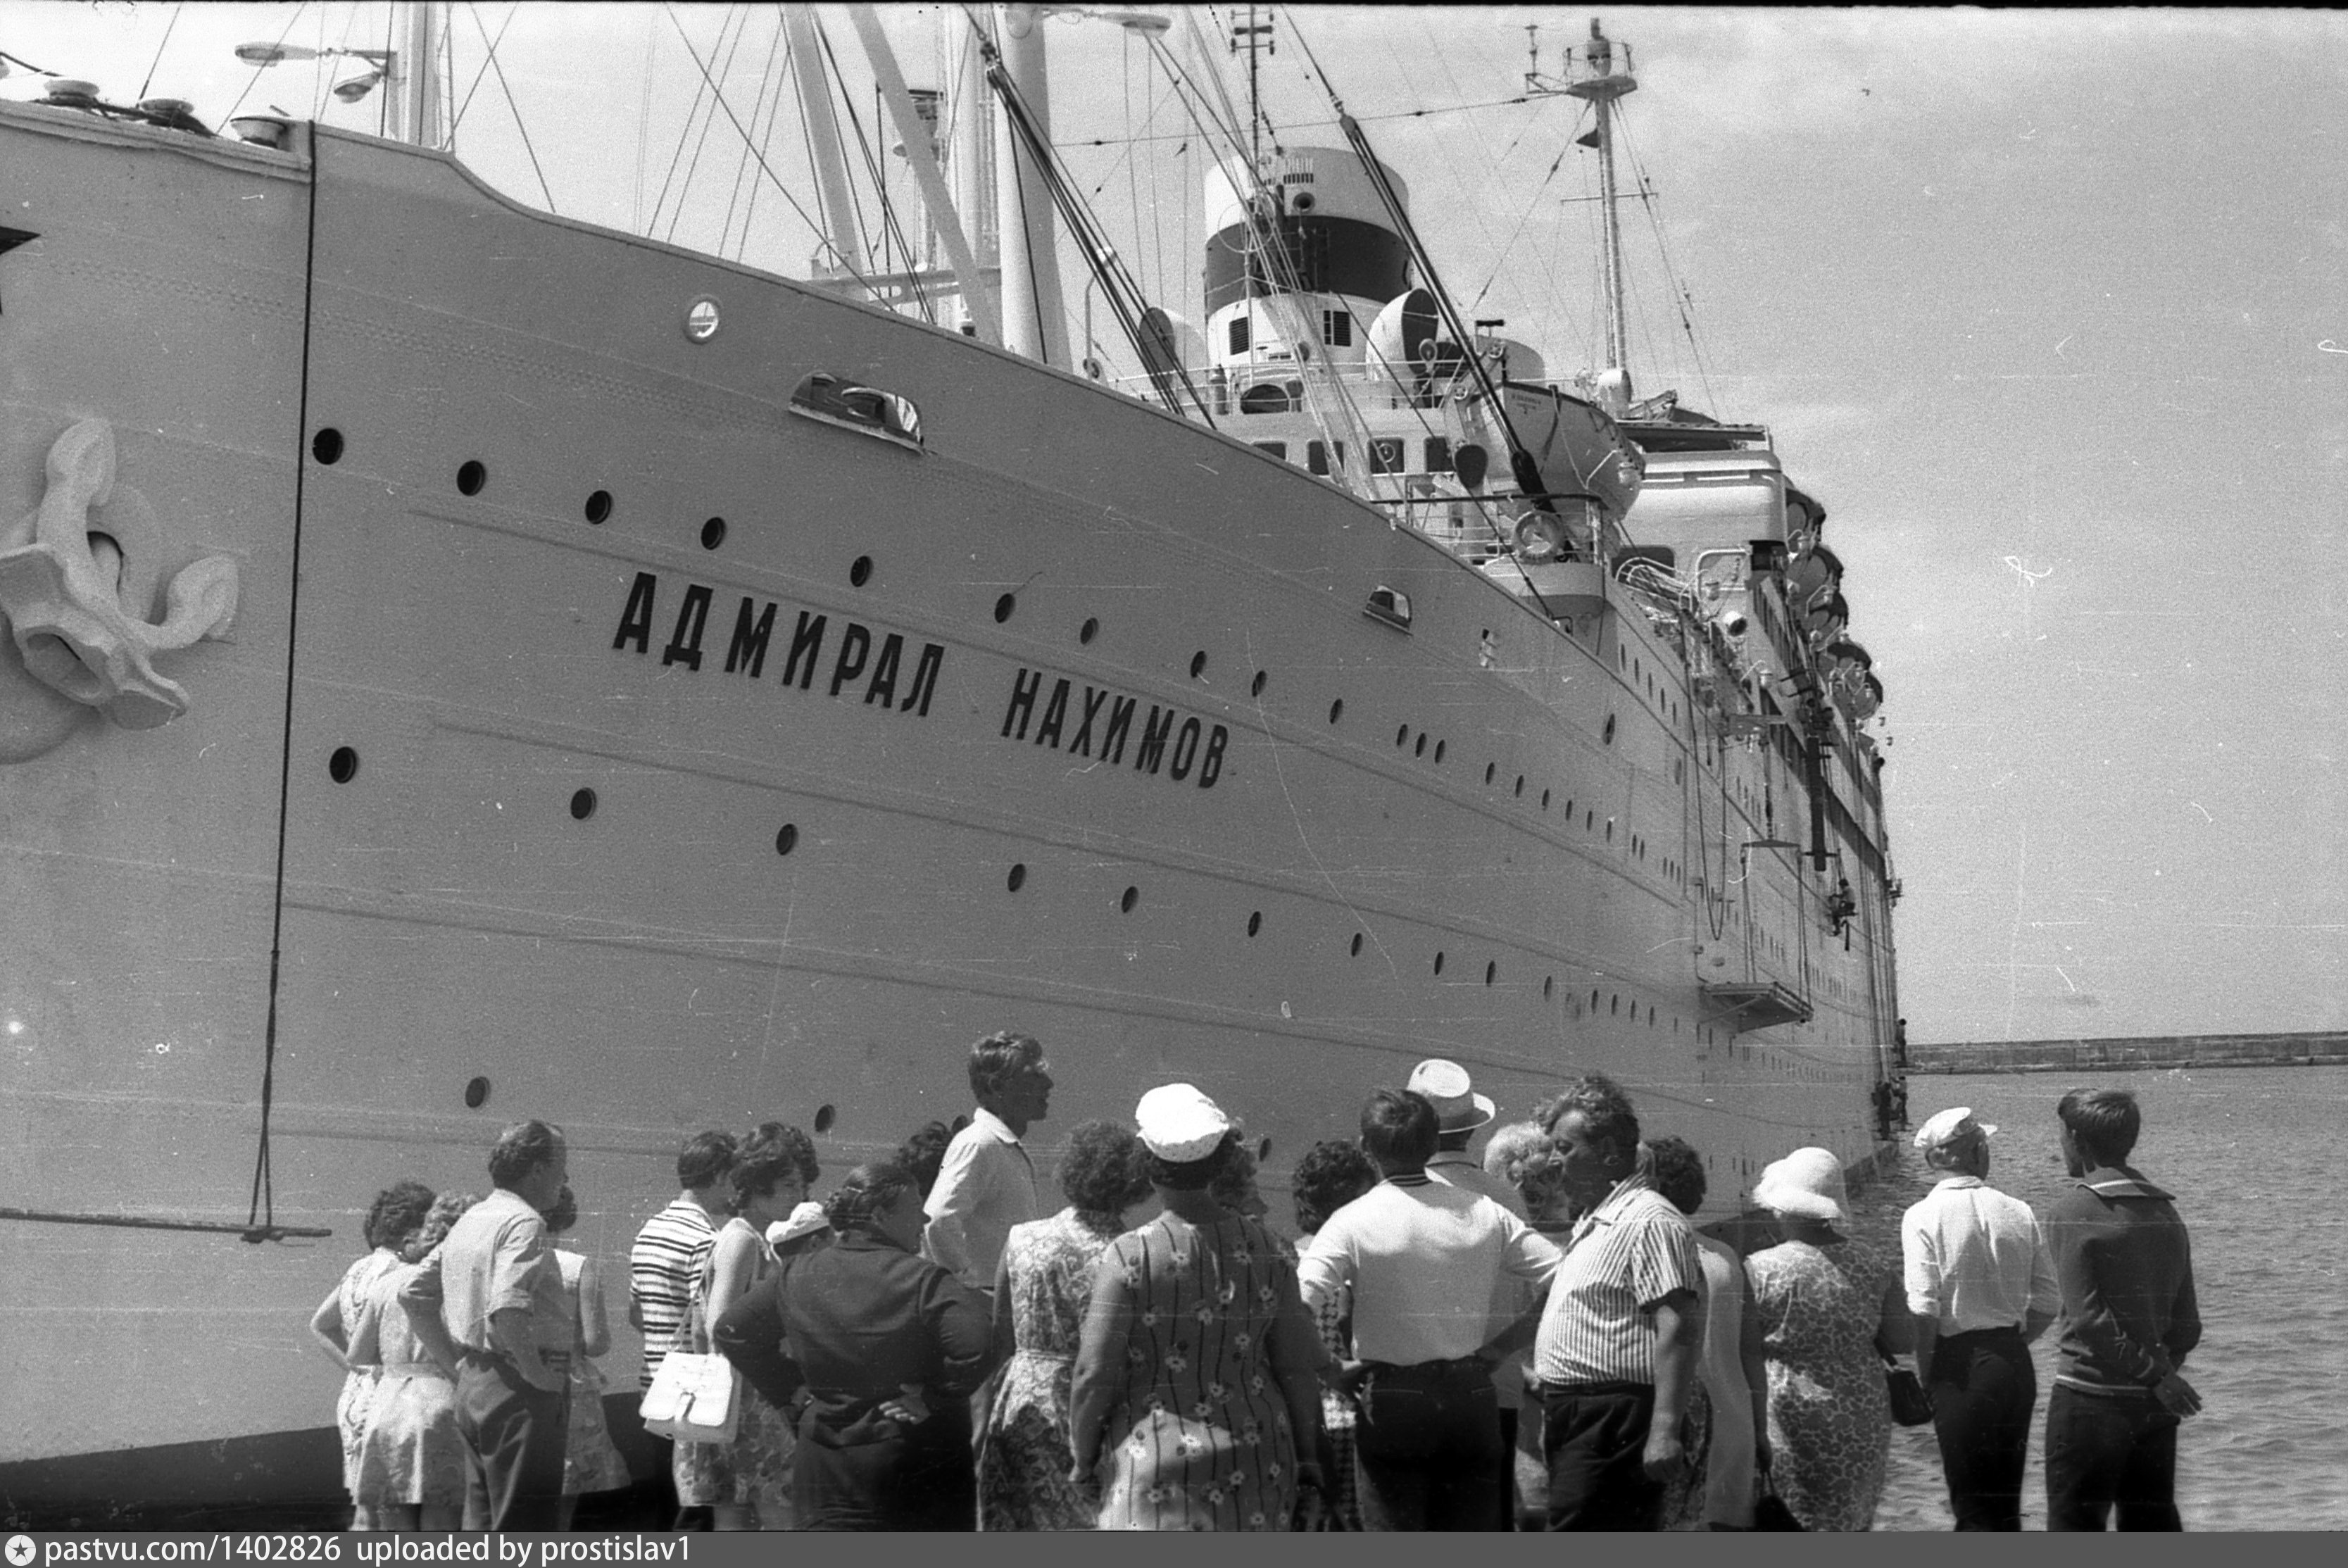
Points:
[[20, 1551]]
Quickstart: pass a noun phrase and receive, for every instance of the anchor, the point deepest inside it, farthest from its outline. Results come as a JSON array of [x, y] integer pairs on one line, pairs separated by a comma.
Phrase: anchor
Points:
[[75, 599]]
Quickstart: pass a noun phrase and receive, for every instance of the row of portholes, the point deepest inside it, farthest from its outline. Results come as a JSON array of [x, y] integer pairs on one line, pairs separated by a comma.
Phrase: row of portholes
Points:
[[473, 477], [1638, 672], [1131, 898], [827, 1117], [343, 766]]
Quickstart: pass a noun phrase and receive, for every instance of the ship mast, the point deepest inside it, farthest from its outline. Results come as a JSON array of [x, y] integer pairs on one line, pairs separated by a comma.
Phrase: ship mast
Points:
[[1595, 81]]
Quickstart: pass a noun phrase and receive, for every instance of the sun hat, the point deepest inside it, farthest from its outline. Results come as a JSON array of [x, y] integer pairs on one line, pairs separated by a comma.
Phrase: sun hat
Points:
[[1806, 1184], [1458, 1107], [805, 1221], [1179, 1123], [1949, 1126]]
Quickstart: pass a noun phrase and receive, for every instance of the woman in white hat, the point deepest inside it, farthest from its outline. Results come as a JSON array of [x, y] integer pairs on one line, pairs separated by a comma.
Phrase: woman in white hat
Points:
[[1829, 1309], [1196, 1394]]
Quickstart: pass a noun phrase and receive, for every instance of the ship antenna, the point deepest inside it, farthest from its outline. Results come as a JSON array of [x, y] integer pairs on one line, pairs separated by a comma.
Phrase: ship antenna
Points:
[[1257, 38], [1601, 85]]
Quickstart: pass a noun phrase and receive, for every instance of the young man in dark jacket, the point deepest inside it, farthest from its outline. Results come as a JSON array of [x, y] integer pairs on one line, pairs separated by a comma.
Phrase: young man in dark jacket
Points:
[[2126, 1269]]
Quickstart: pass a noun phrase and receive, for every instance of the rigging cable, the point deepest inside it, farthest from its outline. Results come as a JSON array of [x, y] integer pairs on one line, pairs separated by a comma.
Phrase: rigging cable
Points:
[[891, 225], [1522, 463], [706, 85], [718, 99], [1123, 295], [166, 43], [515, 109]]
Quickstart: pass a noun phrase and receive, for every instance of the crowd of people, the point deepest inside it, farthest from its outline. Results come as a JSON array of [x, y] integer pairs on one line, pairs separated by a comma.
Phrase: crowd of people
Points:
[[1538, 1339]]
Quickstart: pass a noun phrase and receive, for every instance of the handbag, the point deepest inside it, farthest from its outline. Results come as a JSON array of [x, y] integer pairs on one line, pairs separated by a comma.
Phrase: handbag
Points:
[[696, 1394], [1910, 1406], [695, 1398]]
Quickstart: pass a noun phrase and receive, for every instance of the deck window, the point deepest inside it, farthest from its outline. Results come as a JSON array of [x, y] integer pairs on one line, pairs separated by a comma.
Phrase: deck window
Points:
[[1438, 454], [1239, 335], [1337, 329], [1385, 455]]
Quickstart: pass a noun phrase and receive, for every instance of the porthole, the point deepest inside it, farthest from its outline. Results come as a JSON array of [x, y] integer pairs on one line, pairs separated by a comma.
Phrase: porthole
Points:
[[788, 840], [1255, 923], [343, 766], [826, 1118], [1198, 663], [326, 445], [1489, 971], [859, 572], [472, 476], [1438, 963], [1609, 733], [1544, 800], [1521, 785], [1263, 1150], [1255, 686], [1490, 768], [1088, 631], [1337, 711], [582, 804], [1549, 987], [713, 533], [476, 1093], [1018, 877], [1002, 608], [1356, 949], [1402, 735], [1131, 896], [1420, 749], [1614, 1006], [599, 507], [1438, 750]]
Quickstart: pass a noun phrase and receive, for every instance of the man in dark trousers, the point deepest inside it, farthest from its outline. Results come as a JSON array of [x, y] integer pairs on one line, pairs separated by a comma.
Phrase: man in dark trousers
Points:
[[2130, 1318], [1617, 1348], [1981, 1287], [487, 1302]]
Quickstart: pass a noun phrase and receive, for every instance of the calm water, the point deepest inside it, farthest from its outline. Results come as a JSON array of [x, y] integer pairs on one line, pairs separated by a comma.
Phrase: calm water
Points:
[[2256, 1159]]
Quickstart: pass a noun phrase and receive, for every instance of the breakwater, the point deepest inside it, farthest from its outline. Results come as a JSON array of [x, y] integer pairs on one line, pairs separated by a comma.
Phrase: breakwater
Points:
[[2327, 1049]]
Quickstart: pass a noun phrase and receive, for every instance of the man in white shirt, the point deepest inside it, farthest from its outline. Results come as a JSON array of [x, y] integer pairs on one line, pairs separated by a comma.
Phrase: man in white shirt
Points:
[[1981, 1285], [1460, 1113], [1422, 1259], [986, 1184]]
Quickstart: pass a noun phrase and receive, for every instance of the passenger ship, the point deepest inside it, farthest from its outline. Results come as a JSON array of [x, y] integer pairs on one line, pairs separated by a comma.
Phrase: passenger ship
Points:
[[466, 665]]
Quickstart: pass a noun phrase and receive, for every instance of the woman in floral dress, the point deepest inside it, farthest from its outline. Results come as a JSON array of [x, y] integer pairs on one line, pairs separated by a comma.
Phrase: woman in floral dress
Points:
[[1827, 1306], [1332, 1174], [1197, 1373], [412, 1456], [746, 1484], [1041, 1291], [391, 1221]]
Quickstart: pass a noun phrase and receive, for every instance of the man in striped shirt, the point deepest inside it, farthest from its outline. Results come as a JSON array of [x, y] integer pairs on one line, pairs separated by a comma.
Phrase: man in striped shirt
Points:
[[1615, 1355], [668, 1255]]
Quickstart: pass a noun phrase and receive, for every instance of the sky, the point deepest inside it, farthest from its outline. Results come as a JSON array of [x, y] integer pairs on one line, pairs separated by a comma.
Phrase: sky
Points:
[[2046, 306]]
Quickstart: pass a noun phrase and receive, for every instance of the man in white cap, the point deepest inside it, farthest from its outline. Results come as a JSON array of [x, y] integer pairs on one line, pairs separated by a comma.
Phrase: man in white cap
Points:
[[1981, 1286], [1425, 1260], [1460, 1114]]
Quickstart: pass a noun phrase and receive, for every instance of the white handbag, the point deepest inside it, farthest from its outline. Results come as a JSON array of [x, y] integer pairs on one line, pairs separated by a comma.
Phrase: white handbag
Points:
[[695, 1398]]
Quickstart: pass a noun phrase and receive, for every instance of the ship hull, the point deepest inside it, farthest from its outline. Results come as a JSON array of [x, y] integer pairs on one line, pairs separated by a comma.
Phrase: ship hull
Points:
[[500, 803]]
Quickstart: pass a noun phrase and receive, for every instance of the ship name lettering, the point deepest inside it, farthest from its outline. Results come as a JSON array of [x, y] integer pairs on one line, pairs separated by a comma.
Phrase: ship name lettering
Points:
[[1177, 743], [753, 636], [692, 618]]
